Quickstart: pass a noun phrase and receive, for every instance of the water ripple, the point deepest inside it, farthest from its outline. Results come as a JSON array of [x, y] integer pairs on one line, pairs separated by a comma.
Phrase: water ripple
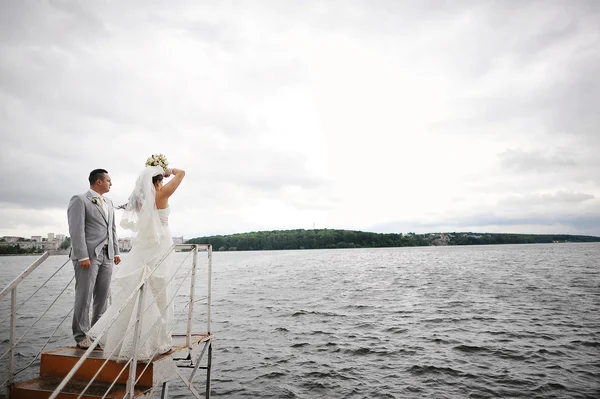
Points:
[[456, 322]]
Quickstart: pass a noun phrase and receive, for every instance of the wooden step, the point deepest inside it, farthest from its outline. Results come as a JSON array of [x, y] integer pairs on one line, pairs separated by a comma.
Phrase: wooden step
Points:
[[59, 363], [42, 388], [55, 365]]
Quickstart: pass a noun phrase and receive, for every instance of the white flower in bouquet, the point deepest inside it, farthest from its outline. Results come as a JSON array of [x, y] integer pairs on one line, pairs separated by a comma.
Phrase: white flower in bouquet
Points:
[[158, 160]]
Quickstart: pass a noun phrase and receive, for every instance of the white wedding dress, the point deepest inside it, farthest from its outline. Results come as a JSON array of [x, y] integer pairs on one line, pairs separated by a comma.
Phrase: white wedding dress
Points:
[[157, 320]]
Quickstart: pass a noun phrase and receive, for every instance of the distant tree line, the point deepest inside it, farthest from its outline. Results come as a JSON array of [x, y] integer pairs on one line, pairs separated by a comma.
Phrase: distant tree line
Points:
[[487, 239], [16, 249], [66, 243], [327, 238]]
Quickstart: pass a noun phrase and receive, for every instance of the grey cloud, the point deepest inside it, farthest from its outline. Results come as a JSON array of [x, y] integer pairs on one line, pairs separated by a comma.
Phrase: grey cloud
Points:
[[220, 33], [559, 198], [312, 202], [571, 103], [588, 223], [120, 90], [261, 169], [44, 24], [84, 83], [22, 217], [536, 161], [560, 40], [43, 181], [483, 222]]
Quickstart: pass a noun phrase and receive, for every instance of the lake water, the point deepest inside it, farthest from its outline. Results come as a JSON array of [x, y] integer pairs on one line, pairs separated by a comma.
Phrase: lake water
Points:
[[443, 322]]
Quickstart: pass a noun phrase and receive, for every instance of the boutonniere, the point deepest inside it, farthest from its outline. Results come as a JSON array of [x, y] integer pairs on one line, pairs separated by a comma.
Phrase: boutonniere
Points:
[[95, 200]]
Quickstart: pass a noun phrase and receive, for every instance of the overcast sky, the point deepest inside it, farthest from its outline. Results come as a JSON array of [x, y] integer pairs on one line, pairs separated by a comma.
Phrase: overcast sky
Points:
[[384, 116]]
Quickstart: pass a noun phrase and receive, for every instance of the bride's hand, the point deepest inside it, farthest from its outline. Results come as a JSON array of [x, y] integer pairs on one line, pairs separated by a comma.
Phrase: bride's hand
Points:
[[168, 172]]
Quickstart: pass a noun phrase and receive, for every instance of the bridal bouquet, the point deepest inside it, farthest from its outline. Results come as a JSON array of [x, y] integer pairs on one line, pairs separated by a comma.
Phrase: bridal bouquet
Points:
[[158, 160]]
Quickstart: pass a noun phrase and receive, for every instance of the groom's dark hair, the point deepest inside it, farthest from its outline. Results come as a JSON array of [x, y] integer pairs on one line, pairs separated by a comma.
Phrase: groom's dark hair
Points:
[[95, 175]]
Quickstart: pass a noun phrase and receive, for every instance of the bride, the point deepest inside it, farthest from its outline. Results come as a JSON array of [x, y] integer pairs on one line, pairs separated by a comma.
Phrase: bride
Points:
[[147, 216]]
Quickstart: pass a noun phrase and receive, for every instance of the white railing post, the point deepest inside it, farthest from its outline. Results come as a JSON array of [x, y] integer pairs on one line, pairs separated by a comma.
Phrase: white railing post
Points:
[[136, 336], [24, 274], [209, 293], [12, 288], [11, 361], [208, 367], [188, 339], [140, 290]]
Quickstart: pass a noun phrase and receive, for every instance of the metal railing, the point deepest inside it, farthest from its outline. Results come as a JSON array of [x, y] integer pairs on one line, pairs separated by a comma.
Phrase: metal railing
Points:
[[139, 293], [12, 288]]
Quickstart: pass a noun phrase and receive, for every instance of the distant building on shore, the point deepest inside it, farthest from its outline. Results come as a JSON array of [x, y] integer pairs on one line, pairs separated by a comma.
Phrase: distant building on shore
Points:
[[36, 243], [50, 245], [124, 244]]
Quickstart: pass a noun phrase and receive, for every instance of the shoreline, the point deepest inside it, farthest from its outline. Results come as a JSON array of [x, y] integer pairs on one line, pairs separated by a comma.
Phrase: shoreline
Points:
[[50, 253]]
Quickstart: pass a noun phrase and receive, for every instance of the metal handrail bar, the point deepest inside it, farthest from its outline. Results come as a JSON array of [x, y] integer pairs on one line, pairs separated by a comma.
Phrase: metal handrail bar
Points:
[[23, 274], [122, 369], [113, 383], [139, 287], [87, 353], [36, 291], [12, 288], [102, 367], [201, 299], [137, 331], [209, 288], [188, 333], [188, 337], [131, 383], [41, 350], [156, 351], [168, 282], [125, 335], [172, 327], [138, 328], [39, 318], [47, 341], [198, 364]]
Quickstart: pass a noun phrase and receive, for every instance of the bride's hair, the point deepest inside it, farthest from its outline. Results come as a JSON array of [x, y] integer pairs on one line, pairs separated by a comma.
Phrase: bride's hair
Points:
[[139, 214], [156, 179]]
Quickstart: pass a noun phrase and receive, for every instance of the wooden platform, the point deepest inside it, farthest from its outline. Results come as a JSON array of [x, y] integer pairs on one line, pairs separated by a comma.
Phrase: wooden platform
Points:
[[42, 388], [55, 365]]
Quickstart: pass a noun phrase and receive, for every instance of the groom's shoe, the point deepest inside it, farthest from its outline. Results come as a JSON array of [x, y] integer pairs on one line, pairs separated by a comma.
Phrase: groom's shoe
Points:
[[85, 343]]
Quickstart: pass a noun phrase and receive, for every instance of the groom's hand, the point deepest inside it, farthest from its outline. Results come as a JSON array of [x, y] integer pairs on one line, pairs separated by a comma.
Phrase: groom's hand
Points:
[[117, 259], [85, 264]]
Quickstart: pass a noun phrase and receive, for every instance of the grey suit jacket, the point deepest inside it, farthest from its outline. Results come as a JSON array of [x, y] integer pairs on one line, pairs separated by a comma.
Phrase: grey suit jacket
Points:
[[90, 227]]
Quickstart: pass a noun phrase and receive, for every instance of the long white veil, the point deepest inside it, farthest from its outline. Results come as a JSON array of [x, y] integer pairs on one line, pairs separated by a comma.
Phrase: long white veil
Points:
[[140, 216], [150, 241]]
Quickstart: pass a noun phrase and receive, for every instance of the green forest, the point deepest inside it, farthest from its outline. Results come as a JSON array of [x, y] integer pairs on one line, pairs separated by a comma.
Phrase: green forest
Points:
[[16, 249], [328, 238]]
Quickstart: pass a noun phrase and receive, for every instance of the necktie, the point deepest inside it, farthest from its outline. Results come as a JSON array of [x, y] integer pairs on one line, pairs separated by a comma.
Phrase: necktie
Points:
[[104, 205]]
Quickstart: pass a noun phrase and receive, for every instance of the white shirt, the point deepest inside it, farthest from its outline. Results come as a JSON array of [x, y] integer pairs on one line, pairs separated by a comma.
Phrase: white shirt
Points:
[[104, 207], [102, 202]]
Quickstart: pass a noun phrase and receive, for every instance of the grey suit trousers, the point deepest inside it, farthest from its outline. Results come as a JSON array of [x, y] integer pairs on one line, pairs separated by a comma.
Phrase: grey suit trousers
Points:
[[91, 285]]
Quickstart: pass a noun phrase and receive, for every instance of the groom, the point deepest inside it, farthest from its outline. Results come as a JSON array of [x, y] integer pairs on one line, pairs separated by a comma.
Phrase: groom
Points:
[[93, 249]]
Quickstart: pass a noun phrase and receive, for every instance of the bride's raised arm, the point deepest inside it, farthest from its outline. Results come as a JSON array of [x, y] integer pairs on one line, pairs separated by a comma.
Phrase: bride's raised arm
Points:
[[168, 189]]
